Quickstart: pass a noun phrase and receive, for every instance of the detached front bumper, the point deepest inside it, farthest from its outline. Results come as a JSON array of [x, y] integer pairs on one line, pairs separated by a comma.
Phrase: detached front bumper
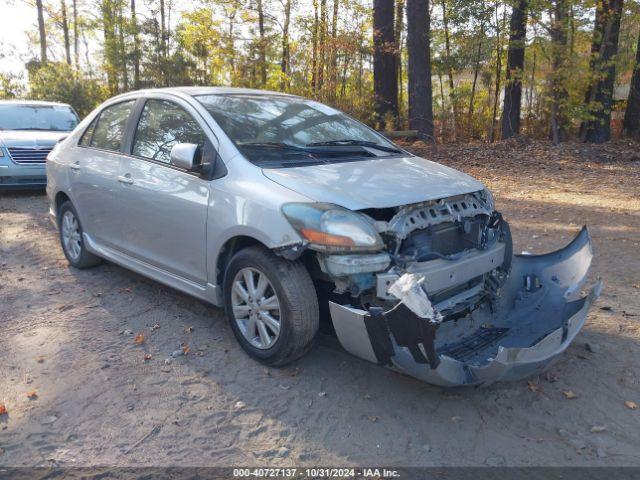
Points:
[[536, 315]]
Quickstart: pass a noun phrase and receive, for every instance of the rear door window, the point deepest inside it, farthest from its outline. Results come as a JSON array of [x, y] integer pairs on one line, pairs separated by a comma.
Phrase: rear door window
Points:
[[162, 125], [109, 131]]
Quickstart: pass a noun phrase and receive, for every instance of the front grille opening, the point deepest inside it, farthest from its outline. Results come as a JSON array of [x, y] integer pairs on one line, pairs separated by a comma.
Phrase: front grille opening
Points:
[[443, 240], [28, 156]]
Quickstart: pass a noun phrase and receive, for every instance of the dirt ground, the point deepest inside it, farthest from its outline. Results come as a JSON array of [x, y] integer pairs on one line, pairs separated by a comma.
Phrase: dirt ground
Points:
[[68, 340]]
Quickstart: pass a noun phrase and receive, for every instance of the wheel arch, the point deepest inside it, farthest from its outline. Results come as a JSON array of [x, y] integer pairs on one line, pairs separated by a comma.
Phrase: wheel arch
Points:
[[229, 248], [60, 198]]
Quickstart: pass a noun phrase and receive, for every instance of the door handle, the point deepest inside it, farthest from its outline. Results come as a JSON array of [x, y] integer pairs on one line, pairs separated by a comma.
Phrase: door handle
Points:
[[74, 166], [125, 179]]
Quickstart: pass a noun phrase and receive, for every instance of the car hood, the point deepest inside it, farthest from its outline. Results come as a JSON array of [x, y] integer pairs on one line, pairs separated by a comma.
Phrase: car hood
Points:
[[30, 138], [377, 183]]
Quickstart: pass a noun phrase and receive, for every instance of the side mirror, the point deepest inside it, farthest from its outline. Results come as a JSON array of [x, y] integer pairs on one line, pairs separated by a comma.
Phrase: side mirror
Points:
[[184, 155]]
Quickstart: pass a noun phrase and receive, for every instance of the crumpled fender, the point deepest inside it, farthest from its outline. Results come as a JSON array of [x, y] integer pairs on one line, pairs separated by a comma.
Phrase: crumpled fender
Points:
[[539, 306]]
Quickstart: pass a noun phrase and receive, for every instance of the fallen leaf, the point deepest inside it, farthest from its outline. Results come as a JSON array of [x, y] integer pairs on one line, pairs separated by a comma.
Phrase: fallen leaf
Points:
[[550, 377], [3, 409], [185, 349], [532, 386], [40, 359], [569, 394], [631, 404], [147, 357], [598, 428], [32, 395], [140, 338]]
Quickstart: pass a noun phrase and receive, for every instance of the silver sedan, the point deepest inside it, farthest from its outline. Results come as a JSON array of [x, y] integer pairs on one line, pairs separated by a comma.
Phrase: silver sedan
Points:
[[289, 213]]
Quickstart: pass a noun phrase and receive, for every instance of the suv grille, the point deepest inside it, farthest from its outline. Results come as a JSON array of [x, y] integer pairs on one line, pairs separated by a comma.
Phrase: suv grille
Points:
[[29, 156]]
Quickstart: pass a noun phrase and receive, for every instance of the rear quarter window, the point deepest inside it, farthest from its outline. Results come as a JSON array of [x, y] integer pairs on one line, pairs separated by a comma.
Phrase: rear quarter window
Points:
[[85, 140]]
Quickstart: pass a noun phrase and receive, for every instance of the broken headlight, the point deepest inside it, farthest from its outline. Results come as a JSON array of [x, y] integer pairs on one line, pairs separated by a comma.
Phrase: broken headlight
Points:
[[330, 228]]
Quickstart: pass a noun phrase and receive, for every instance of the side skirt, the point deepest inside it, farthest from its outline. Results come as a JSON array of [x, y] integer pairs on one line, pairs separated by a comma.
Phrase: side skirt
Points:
[[209, 293]]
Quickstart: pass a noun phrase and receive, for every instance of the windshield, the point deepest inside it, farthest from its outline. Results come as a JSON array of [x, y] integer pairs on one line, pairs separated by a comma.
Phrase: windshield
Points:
[[273, 130], [58, 118]]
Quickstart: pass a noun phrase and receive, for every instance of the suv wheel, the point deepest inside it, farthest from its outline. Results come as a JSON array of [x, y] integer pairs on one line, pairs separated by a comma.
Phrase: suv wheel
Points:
[[71, 238], [271, 304]]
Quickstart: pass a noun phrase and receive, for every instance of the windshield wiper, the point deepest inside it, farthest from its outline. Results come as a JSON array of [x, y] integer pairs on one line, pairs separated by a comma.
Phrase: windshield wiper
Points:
[[40, 129], [281, 145], [354, 142]]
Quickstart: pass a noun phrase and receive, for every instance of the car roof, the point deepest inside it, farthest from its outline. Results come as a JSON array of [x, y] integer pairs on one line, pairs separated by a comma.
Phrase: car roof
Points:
[[195, 91], [42, 103]]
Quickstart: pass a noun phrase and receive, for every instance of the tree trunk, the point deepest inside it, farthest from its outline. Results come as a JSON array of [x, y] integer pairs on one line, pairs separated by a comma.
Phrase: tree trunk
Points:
[[515, 69], [136, 46], [322, 44], [385, 80], [163, 37], [76, 55], [230, 43], [532, 86], [476, 71], [122, 58], [631, 125], [284, 61], [314, 52], [496, 93], [65, 32], [42, 32], [559, 93], [449, 67], [334, 47], [442, 113], [419, 68], [110, 47], [399, 27], [262, 46], [597, 129]]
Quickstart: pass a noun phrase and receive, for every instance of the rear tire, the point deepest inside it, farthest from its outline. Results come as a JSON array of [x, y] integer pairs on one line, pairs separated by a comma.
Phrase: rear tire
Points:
[[284, 290], [71, 239]]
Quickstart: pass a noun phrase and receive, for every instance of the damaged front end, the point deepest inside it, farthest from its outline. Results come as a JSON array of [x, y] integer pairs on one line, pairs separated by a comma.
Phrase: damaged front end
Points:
[[445, 300]]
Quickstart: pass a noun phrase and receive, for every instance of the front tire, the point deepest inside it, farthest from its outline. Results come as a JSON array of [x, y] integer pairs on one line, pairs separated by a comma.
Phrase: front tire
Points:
[[71, 238], [271, 304]]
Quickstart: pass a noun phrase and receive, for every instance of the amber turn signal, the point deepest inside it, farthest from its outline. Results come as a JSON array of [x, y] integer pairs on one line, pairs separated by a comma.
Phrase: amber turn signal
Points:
[[321, 238]]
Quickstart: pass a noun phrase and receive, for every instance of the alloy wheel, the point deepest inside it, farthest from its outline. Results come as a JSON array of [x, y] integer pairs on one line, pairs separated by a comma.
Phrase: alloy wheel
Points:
[[256, 308], [71, 236]]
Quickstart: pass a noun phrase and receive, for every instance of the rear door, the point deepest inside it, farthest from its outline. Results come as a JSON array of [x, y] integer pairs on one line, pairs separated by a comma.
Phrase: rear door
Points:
[[94, 174], [166, 207]]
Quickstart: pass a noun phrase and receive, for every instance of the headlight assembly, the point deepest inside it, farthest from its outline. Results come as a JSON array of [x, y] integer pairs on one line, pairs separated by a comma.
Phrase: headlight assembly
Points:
[[330, 228]]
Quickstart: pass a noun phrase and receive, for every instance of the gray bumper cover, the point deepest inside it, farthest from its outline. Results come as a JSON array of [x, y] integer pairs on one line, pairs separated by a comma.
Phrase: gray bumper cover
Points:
[[539, 308]]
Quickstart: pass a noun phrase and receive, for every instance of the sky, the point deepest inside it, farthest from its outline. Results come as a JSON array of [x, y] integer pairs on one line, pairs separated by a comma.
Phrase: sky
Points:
[[18, 17]]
